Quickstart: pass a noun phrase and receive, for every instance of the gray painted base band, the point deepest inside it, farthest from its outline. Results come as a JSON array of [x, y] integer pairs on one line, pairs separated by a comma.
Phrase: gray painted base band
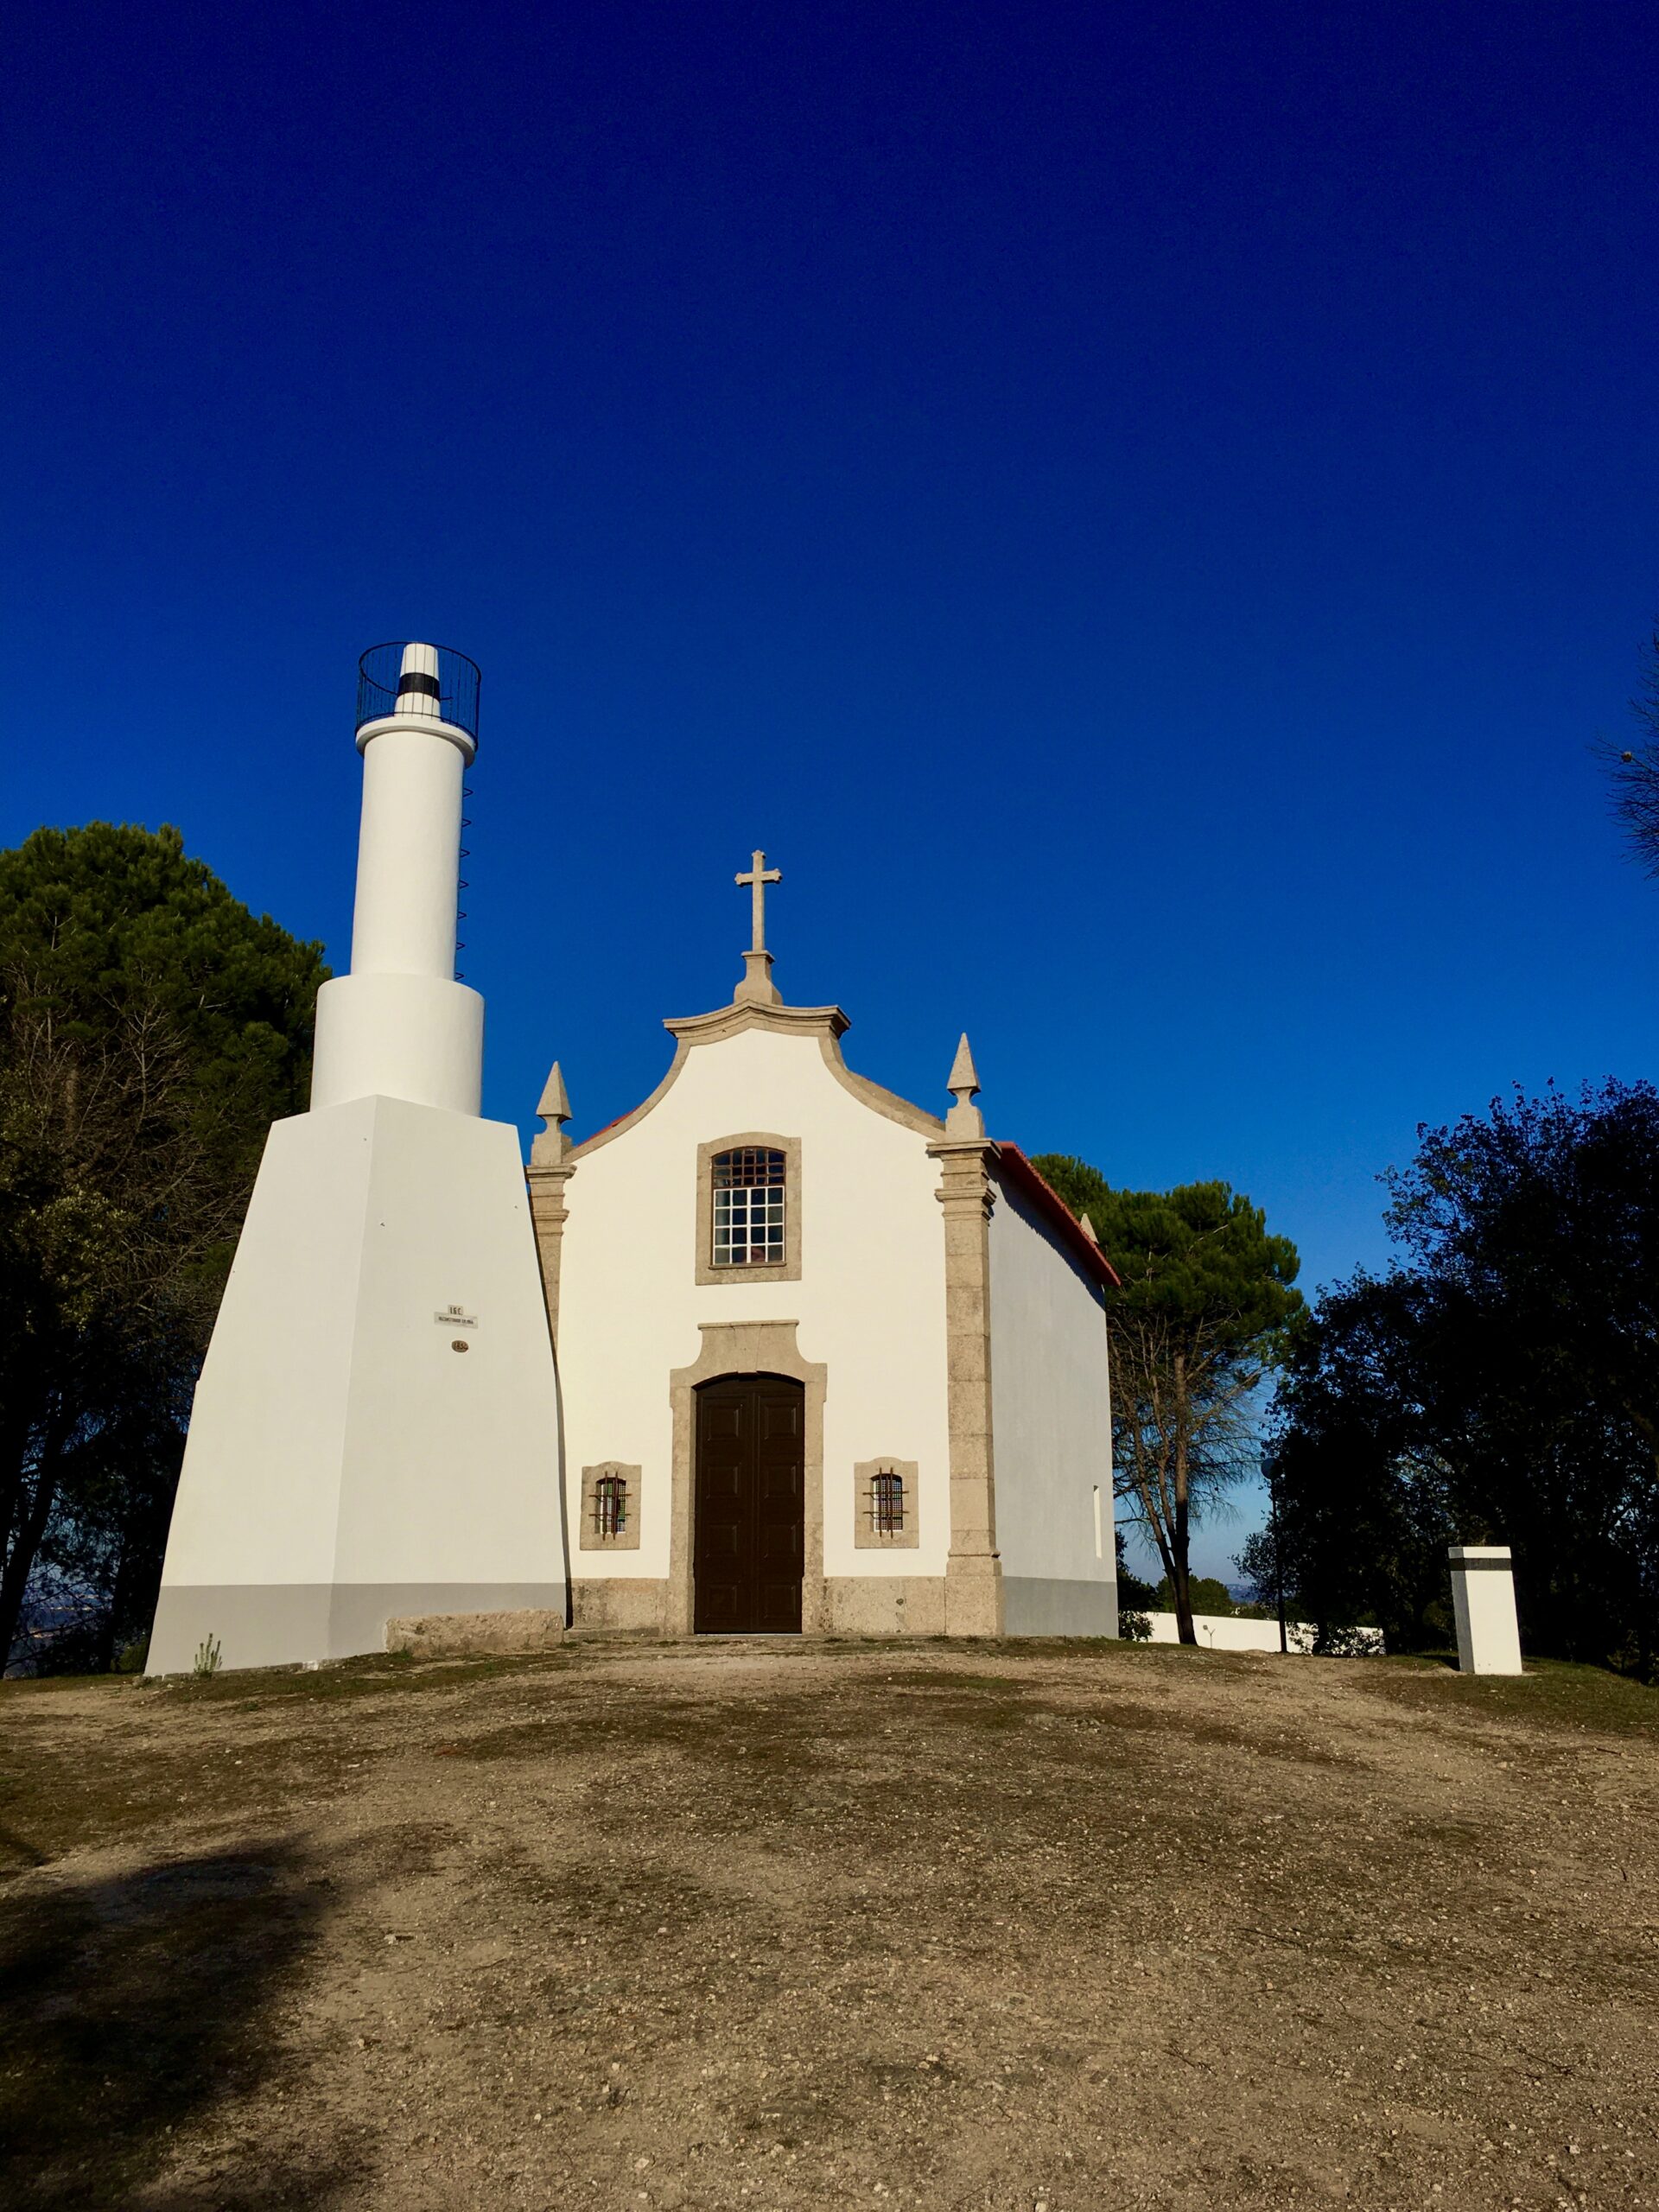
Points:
[[1035, 1606], [278, 1623], [1474, 1566]]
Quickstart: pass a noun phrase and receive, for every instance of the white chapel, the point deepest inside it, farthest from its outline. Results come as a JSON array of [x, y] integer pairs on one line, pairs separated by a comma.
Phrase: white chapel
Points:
[[827, 1362], [777, 1352]]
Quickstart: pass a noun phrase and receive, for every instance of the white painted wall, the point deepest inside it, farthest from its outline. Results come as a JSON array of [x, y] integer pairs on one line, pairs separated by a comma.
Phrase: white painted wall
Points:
[[336, 1438], [400, 1026], [415, 1037], [870, 1302], [1051, 1405], [1222, 1632]]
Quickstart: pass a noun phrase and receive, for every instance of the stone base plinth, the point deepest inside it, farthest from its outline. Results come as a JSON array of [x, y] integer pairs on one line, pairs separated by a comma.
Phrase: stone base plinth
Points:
[[473, 1635]]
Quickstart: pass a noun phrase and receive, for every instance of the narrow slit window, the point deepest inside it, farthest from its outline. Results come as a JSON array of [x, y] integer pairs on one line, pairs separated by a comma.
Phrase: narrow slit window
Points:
[[887, 1503], [611, 1505], [748, 1208]]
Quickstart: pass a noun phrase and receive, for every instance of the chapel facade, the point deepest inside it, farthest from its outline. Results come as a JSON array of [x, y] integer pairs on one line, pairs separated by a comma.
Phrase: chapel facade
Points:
[[827, 1362]]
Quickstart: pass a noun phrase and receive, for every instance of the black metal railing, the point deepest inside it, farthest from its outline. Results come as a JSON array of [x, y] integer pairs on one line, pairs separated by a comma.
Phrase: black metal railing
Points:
[[453, 698]]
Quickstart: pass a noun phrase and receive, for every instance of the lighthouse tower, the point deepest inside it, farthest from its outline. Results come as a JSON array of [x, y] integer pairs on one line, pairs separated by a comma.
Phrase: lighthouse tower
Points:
[[376, 1431]]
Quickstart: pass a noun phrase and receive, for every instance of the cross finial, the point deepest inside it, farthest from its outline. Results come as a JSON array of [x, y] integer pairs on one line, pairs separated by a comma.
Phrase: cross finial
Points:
[[759, 877], [757, 981], [964, 1119]]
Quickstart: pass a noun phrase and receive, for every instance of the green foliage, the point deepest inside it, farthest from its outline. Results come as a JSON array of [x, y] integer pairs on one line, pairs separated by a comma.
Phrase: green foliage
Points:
[[150, 1030], [113, 917], [1199, 1256], [208, 1654], [1140, 1596], [1207, 1595], [1500, 1383]]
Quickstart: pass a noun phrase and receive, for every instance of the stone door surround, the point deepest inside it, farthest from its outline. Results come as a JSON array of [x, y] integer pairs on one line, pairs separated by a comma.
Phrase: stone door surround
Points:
[[744, 1348]]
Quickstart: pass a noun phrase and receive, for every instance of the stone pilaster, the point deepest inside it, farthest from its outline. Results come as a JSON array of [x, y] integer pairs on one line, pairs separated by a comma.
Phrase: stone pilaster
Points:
[[973, 1580], [549, 1213]]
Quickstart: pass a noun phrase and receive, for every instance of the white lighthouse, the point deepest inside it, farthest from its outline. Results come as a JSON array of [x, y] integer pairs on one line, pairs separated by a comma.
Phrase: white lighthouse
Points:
[[376, 1431]]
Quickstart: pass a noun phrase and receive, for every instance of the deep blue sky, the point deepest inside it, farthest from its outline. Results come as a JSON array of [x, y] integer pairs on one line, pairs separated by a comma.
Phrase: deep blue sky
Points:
[[1142, 511]]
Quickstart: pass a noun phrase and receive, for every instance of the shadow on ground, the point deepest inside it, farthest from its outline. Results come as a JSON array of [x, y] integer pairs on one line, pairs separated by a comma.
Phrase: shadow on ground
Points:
[[130, 2007]]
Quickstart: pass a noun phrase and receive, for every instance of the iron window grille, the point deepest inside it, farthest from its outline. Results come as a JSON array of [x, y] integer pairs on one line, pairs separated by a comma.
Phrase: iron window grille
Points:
[[888, 1505], [611, 1505], [748, 1208]]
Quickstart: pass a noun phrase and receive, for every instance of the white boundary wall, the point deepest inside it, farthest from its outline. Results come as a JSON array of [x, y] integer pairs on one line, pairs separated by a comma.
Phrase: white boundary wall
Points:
[[1223, 1632]]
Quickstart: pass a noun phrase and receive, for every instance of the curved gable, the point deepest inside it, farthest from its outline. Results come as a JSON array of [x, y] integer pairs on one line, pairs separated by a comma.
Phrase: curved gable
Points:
[[827, 1023]]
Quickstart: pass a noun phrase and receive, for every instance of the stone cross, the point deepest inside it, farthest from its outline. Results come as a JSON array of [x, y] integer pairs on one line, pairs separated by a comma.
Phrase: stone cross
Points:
[[759, 877]]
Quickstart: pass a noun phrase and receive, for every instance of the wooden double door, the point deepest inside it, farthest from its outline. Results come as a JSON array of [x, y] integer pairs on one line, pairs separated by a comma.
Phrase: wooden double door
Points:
[[749, 1545]]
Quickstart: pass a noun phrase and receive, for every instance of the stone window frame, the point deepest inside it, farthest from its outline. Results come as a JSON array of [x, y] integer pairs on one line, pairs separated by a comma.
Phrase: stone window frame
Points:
[[867, 1537], [789, 1269], [590, 1537]]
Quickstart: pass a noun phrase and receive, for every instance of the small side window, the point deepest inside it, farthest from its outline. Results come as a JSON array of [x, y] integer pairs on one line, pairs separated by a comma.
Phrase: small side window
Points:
[[885, 1505], [611, 1504], [610, 1508], [888, 1502]]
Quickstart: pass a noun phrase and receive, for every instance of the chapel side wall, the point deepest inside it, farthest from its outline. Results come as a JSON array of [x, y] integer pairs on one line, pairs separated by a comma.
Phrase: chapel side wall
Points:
[[869, 1303], [1051, 1419]]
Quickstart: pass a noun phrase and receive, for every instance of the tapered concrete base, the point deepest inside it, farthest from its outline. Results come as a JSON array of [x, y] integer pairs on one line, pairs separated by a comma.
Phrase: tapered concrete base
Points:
[[376, 1432], [274, 1625]]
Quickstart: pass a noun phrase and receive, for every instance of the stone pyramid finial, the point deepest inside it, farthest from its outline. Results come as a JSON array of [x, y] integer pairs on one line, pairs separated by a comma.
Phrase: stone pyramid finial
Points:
[[964, 1119], [556, 1099], [1088, 1227], [555, 1112]]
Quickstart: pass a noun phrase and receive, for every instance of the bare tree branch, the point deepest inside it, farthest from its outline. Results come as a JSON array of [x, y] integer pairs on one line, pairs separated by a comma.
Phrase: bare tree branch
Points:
[[1635, 769]]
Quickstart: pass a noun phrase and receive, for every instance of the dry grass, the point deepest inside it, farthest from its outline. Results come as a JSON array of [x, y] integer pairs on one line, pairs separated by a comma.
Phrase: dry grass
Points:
[[798, 1925]]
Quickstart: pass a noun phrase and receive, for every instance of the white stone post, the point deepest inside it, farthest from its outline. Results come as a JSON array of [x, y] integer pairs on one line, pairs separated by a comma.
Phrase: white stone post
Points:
[[1483, 1600]]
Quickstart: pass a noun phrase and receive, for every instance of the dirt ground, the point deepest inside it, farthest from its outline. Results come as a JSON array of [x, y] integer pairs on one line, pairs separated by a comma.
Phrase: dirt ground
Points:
[[788, 1924]]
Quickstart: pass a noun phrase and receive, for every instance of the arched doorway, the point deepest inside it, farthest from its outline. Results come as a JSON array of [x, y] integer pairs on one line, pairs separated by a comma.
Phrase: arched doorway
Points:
[[749, 1520]]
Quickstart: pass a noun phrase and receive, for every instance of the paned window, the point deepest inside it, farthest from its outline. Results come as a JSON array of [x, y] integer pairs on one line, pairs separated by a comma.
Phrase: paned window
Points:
[[610, 1505], [748, 1208], [888, 1502]]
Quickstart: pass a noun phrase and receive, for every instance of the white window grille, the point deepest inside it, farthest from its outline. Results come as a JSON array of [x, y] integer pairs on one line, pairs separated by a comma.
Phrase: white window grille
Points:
[[748, 1208]]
